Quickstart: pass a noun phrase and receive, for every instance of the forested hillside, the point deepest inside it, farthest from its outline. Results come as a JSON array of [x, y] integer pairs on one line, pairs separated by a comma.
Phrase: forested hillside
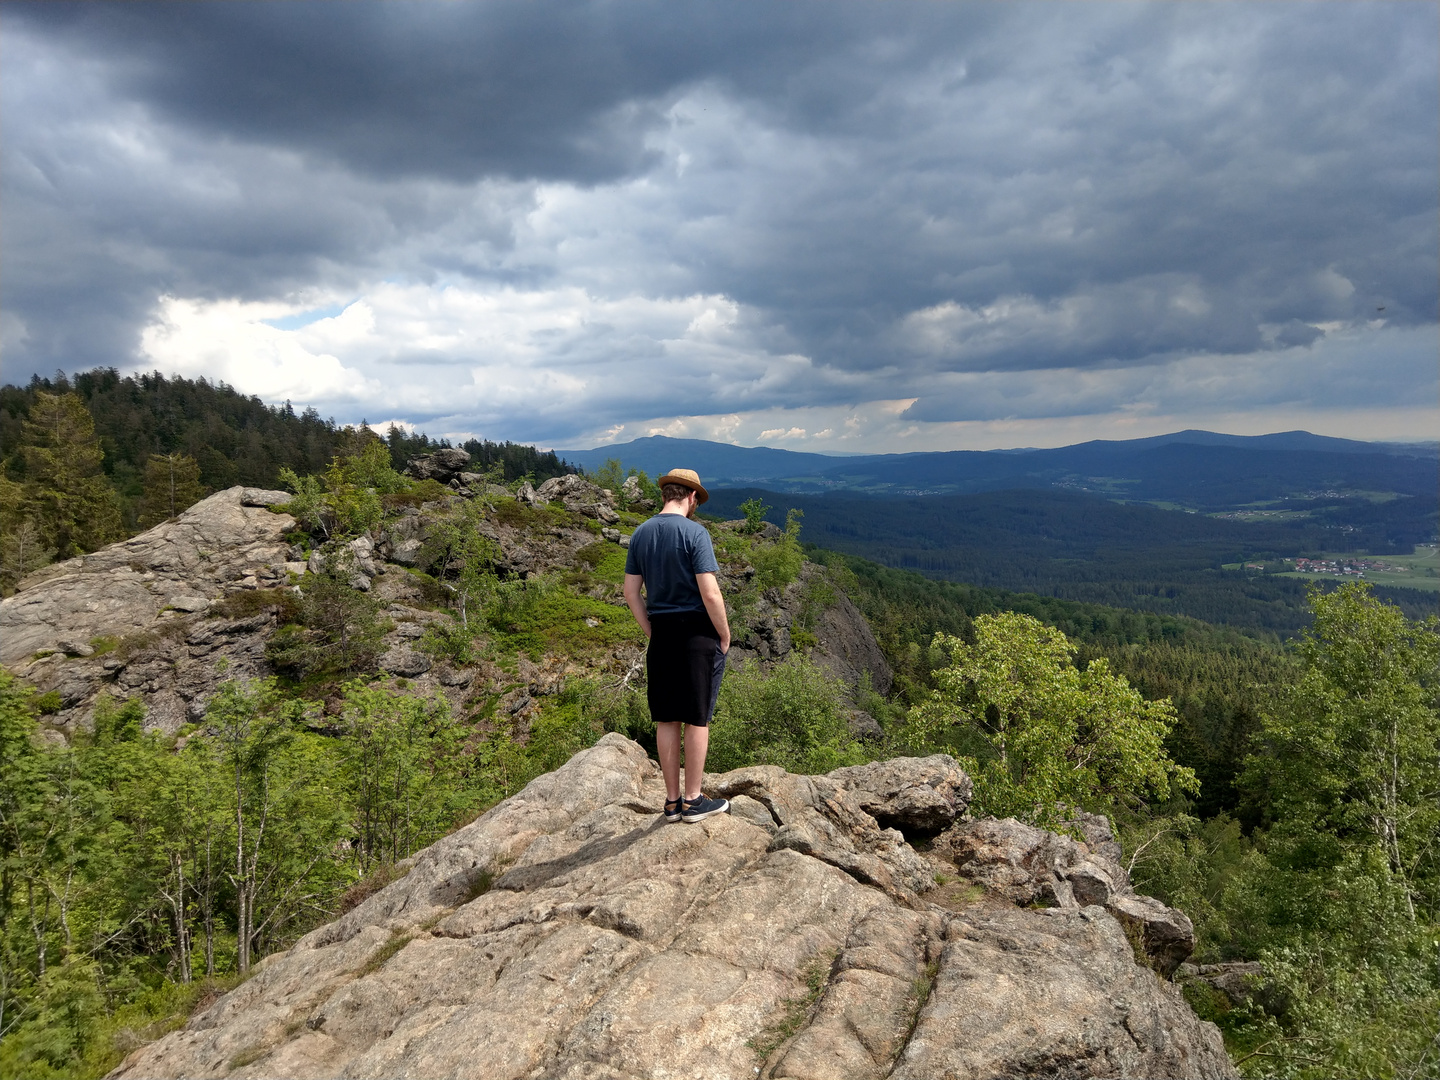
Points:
[[139, 449], [1078, 547], [1199, 470]]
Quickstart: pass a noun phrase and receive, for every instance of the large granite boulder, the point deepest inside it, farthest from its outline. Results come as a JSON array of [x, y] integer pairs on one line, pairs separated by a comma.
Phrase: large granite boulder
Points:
[[579, 495], [915, 795], [229, 541], [442, 465], [570, 933]]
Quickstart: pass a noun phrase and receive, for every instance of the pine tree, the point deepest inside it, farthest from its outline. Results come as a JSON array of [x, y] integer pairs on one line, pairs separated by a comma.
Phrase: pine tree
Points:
[[21, 549], [172, 485], [66, 495]]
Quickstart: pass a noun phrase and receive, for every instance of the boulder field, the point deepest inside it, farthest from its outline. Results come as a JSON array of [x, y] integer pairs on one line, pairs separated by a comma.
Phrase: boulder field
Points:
[[570, 933]]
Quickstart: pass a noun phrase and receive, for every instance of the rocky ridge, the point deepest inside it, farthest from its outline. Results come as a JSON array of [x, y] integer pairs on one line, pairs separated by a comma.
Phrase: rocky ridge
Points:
[[570, 933], [163, 615]]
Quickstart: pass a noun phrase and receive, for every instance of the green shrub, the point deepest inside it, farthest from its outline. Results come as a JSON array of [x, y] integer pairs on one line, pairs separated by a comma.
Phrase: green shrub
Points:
[[449, 641], [417, 495], [104, 644], [48, 702], [339, 634], [754, 511], [777, 563], [118, 722], [592, 554], [541, 615], [576, 717], [792, 715]]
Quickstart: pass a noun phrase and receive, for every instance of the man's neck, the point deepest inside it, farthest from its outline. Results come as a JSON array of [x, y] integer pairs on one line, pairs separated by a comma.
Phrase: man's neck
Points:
[[676, 508]]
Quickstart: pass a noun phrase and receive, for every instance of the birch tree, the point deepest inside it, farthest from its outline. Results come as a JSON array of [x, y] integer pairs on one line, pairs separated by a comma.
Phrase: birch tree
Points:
[[286, 814], [1351, 753]]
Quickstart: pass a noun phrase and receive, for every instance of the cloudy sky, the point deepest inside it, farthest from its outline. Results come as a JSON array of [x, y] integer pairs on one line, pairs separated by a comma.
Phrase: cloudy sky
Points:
[[820, 225]]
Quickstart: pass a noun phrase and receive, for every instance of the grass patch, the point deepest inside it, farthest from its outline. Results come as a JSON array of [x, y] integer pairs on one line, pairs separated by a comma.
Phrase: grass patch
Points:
[[48, 702], [519, 515], [367, 887], [132, 645], [250, 602], [104, 644], [421, 492], [398, 940], [555, 620], [479, 885], [249, 1056], [920, 991], [796, 1011], [954, 894], [1135, 934]]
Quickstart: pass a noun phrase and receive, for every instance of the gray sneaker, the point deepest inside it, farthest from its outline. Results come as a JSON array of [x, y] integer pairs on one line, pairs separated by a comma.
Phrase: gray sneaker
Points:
[[698, 809]]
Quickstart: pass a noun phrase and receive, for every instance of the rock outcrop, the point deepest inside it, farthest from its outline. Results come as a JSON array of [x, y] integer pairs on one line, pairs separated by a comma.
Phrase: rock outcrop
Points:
[[444, 465], [580, 496], [124, 587], [155, 592], [1030, 866], [156, 615], [1238, 982], [570, 933]]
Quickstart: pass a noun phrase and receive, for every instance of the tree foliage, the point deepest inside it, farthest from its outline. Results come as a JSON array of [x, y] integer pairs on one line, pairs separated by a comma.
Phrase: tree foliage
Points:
[[402, 769], [340, 628], [1350, 758], [66, 495], [1335, 891], [172, 485], [793, 716], [1039, 734], [464, 558]]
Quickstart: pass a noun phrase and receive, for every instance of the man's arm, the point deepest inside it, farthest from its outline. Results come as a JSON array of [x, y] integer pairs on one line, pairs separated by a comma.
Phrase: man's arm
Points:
[[715, 607], [637, 602]]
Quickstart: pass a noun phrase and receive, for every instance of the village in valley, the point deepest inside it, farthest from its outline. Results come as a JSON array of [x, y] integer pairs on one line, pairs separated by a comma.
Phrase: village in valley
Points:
[[1418, 571]]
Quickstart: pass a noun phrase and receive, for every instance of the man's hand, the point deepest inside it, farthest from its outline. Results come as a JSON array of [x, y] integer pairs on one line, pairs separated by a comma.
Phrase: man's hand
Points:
[[714, 607]]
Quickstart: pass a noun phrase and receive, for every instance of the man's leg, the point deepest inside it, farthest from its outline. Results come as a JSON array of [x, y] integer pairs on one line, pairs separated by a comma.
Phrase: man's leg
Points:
[[667, 744], [697, 742]]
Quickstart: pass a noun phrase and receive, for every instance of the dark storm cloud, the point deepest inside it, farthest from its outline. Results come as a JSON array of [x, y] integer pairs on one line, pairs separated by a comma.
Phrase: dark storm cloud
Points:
[[553, 91], [906, 195]]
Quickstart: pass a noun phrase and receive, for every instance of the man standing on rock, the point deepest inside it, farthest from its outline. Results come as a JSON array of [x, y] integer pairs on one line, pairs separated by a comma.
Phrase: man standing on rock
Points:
[[683, 615]]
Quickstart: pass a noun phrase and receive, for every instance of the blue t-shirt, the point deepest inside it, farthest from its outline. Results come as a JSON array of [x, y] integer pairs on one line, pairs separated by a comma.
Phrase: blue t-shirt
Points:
[[668, 551]]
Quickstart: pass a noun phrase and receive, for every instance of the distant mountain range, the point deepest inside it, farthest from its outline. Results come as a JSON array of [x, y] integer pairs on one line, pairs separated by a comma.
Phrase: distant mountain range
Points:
[[1191, 469]]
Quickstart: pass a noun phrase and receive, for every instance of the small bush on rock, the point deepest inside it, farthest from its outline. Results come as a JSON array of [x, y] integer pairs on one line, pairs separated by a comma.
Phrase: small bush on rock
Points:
[[777, 563], [792, 716]]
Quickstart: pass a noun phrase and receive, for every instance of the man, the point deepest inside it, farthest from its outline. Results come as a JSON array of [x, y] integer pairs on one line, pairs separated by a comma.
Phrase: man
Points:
[[683, 615]]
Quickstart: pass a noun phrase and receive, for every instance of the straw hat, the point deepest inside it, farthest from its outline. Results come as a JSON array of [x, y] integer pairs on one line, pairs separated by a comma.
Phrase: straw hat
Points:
[[689, 477]]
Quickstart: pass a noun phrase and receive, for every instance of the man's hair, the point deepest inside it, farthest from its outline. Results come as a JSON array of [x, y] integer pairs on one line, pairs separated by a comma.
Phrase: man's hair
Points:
[[675, 492]]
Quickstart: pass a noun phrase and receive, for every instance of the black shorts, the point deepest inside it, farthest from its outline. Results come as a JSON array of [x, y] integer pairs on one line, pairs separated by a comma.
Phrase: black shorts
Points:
[[683, 668]]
